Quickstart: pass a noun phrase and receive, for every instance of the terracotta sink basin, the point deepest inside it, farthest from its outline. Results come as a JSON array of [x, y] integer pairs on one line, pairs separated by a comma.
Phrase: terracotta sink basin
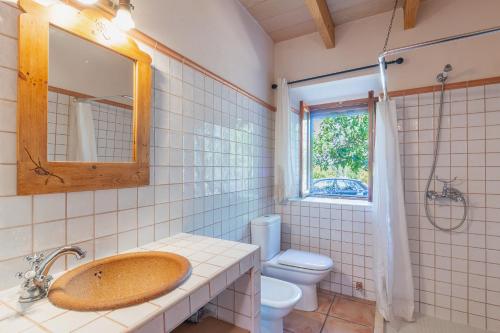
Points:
[[119, 281]]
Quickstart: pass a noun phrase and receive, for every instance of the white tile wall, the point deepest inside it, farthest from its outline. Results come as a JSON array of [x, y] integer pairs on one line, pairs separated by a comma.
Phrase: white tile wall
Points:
[[113, 128], [211, 171], [456, 274]]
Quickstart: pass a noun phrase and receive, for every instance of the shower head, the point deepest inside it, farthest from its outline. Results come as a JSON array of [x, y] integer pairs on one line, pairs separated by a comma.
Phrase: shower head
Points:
[[441, 77]]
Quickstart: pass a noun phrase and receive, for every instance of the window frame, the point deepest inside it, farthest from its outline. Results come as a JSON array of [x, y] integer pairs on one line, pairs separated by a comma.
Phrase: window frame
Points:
[[305, 141]]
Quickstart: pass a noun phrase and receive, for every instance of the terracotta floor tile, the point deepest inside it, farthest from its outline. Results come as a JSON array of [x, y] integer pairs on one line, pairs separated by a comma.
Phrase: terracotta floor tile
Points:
[[353, 311], [324, 302], [359, 299], [304, 322], [337, 325], [326, 292]]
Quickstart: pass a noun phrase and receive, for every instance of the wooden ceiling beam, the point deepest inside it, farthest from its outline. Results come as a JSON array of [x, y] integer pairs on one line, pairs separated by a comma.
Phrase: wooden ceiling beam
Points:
[[323, 19], [410, 13]]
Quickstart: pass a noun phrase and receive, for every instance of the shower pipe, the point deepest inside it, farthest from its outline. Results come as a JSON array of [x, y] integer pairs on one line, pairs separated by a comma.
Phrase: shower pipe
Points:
[[382, 62]]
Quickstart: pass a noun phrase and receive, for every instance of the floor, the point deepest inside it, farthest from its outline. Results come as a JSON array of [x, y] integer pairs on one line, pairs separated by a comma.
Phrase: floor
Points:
[[335, 314], [426, 324], [209, 324]]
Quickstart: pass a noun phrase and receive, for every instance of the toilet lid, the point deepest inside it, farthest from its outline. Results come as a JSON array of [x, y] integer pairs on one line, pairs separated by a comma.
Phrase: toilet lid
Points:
[[305, 260]]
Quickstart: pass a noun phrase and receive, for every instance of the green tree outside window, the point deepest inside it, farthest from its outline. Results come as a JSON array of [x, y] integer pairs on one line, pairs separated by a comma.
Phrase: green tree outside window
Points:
[[340, 147]]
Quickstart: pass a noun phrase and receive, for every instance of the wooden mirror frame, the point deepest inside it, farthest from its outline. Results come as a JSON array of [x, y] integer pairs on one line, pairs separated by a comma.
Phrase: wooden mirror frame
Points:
[[35, 174]]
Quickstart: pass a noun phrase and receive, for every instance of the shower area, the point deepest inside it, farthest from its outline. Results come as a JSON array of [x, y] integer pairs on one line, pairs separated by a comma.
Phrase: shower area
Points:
[[449, 148]]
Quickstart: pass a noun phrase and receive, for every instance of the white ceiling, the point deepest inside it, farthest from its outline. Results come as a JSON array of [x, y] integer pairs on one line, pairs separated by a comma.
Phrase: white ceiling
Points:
[[338, 90], [286, 19]]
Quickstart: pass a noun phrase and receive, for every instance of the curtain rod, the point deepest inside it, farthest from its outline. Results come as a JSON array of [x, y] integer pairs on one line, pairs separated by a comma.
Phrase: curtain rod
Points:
[[381, 59], [350, 70], [83, 99]]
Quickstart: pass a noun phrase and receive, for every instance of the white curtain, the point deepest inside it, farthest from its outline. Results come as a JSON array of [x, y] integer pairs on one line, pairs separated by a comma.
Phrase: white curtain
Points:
[[82, 144], [286, 173], [392, 266]]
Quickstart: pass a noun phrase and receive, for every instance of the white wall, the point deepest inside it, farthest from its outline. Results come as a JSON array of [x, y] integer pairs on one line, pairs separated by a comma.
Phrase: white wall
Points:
[[219, 35], [358, 43]]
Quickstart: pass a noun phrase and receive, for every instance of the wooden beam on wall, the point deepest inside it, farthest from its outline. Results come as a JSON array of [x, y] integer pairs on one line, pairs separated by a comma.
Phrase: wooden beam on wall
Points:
[[410, 13], [323, 19]]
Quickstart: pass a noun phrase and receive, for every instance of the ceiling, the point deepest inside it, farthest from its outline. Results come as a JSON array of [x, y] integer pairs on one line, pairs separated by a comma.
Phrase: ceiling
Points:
[[286, 19]]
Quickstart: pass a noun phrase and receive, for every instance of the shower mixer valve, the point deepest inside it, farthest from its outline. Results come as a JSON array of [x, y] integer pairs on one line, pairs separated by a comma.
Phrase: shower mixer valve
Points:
[[448, 192]]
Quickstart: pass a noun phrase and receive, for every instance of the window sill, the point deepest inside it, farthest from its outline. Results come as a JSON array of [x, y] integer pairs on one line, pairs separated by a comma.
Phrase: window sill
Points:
[[335, 201]]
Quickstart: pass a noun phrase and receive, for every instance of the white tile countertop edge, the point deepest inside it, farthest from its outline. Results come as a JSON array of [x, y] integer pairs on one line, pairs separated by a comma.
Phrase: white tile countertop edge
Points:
[[209, 257]]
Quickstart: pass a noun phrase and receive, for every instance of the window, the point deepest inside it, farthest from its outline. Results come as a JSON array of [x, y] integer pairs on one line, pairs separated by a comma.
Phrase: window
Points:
[[337, 149]]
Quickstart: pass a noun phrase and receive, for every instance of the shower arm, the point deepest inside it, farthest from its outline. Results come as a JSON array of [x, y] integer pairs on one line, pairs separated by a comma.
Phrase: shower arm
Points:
[[383, 55]]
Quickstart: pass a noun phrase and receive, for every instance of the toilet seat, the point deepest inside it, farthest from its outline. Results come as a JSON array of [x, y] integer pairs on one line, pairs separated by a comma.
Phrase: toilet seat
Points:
[[296, 265], [305, 260], [305, 278], [303, 269]]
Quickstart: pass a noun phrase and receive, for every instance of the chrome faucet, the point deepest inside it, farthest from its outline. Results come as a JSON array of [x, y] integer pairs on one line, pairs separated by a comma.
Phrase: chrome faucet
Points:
[[36, 280], [448, 192]]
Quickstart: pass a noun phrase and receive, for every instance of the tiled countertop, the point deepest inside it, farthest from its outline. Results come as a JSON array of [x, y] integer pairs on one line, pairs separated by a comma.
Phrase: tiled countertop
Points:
[[216, 264]]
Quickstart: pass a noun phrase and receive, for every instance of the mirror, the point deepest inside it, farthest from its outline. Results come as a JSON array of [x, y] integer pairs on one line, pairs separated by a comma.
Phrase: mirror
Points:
[[84, 102], [90, 101]]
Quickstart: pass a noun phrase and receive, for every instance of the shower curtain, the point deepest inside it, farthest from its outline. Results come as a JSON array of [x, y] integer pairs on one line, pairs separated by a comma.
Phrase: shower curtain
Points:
[[286, 173], [82, 144], [391, 265]]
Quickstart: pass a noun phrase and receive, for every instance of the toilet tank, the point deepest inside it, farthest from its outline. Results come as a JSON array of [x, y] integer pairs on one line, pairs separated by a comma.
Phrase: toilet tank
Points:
[[266, 232]]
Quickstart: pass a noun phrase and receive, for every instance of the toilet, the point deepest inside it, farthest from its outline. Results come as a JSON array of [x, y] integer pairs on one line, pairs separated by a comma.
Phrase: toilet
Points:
[[278, 298], [301, 268]]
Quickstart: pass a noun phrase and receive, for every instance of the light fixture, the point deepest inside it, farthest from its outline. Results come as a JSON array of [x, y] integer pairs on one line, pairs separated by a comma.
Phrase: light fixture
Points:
[[62, 14], [88, 2], [123, 18], [46, 3]]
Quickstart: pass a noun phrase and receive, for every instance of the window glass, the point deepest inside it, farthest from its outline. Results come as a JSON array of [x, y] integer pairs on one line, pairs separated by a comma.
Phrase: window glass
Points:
[[339, 150]]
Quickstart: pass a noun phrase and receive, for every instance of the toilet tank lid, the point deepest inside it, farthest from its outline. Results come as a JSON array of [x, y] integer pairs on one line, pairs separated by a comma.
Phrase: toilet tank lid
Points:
[[307, 260], [267, 219]]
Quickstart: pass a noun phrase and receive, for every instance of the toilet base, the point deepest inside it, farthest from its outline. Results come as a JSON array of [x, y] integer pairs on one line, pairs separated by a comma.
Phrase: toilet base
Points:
[[271, 326], [309, 300]]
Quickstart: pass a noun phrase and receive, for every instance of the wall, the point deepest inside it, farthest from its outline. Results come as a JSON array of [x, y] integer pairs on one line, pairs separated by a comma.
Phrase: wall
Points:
[[213, 34], [340, 231], [457, 275], [211, 171], [358, 43]]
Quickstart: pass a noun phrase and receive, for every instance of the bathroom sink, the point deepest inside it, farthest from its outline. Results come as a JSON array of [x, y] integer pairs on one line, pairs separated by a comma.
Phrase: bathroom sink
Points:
[[119, 281]]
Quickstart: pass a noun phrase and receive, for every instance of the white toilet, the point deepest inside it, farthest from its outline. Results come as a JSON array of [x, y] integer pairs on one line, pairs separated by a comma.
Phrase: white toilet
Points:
[[277, 300], [304, 269]]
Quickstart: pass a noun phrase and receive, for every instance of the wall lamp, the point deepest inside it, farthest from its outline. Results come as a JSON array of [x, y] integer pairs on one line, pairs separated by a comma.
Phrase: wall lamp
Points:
[[123, 18]]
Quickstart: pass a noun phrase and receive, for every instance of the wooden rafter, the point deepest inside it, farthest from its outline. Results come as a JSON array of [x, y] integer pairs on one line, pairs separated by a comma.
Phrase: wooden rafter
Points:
[[410, 13], [323, 19]]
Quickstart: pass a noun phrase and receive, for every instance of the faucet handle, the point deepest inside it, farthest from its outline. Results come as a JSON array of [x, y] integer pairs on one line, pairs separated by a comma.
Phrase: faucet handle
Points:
[[35, 258]]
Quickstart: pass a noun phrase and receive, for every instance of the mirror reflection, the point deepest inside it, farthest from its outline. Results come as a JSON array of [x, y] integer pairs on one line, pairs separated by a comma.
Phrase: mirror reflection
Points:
[[90, 104]]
